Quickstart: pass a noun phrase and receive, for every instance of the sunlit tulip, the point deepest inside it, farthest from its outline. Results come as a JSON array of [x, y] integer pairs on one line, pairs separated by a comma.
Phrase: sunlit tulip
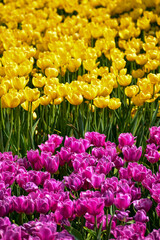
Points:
[[31, 94], [19, 82], [58, 100], [101, 102], [131, 91], [11, 100], [38, 81], [124, 80], [74, 99], [51, 72], [45, 100], [114, 103]]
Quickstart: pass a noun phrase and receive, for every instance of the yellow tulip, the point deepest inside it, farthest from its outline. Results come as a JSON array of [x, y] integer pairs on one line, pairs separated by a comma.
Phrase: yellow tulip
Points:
[[131, 91], [63, 89], [119, 63], [58, 100], [153, 78], [114, 103], [144, 23], [3, 89], [141, 59], [101, 102], [90, 64], [124, 80], [34, 105], [51, 72], [11, 100], [74, 98], [19, 82], [74, 64], [89, 91], [104, 89], [45, 100], [137, 100], [50, 91], [139, 73], [31, 94], [39, 81]]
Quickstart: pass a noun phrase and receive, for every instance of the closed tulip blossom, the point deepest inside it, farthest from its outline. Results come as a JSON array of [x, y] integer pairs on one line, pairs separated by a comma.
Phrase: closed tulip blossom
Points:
[[132, 154], [95, 206], [139, 173], [35, 159], [66, 208], [122, 201], [154, 135], [64, 155], [152, 156], [126, 139], [52, 163], [141, 216], [108, 197]]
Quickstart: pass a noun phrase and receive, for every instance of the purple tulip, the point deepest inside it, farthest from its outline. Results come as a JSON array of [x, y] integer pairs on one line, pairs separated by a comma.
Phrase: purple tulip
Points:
[[154, 135], [30, 206], [24, 162], [22, 179], [13, 233], [53, 185], [104, 166], [144, 203], [126, 139], [19, 204], [139, 172], [118, 162], [30, 187], [98, 152], [95, 138], [122, 201], [153, 156], [66, 208], [108, 198], [132, 154], [35, 177], [74, 182], [64, 155], [141, 216], [123, 216], [95, 206], [35, 159], [81, 207], [56, 139], [42, 205], [76, 145], [4, 207], [52, 163]]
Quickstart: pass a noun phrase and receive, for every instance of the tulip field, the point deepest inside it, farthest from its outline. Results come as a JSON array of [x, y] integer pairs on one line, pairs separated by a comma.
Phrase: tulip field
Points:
[[79, 119]]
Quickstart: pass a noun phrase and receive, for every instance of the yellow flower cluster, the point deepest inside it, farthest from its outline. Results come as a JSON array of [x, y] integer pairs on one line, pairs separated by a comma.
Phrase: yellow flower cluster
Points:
[[79, 50]]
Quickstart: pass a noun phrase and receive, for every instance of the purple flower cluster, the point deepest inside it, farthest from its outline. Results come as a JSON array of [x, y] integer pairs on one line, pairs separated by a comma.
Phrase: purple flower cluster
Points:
[[96, 186]]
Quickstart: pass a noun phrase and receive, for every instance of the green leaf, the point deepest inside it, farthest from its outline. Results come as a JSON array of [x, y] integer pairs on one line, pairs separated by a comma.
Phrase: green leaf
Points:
[[154, 115], [77, 235], [99, 231], [93, 233], [34, 126]]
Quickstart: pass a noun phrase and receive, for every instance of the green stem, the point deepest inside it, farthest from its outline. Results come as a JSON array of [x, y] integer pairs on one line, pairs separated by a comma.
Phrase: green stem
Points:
[[10, 134]]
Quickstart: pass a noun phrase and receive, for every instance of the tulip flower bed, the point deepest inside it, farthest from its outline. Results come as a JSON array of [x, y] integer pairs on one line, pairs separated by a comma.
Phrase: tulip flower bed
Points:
[[86, 189], [68, 67]]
